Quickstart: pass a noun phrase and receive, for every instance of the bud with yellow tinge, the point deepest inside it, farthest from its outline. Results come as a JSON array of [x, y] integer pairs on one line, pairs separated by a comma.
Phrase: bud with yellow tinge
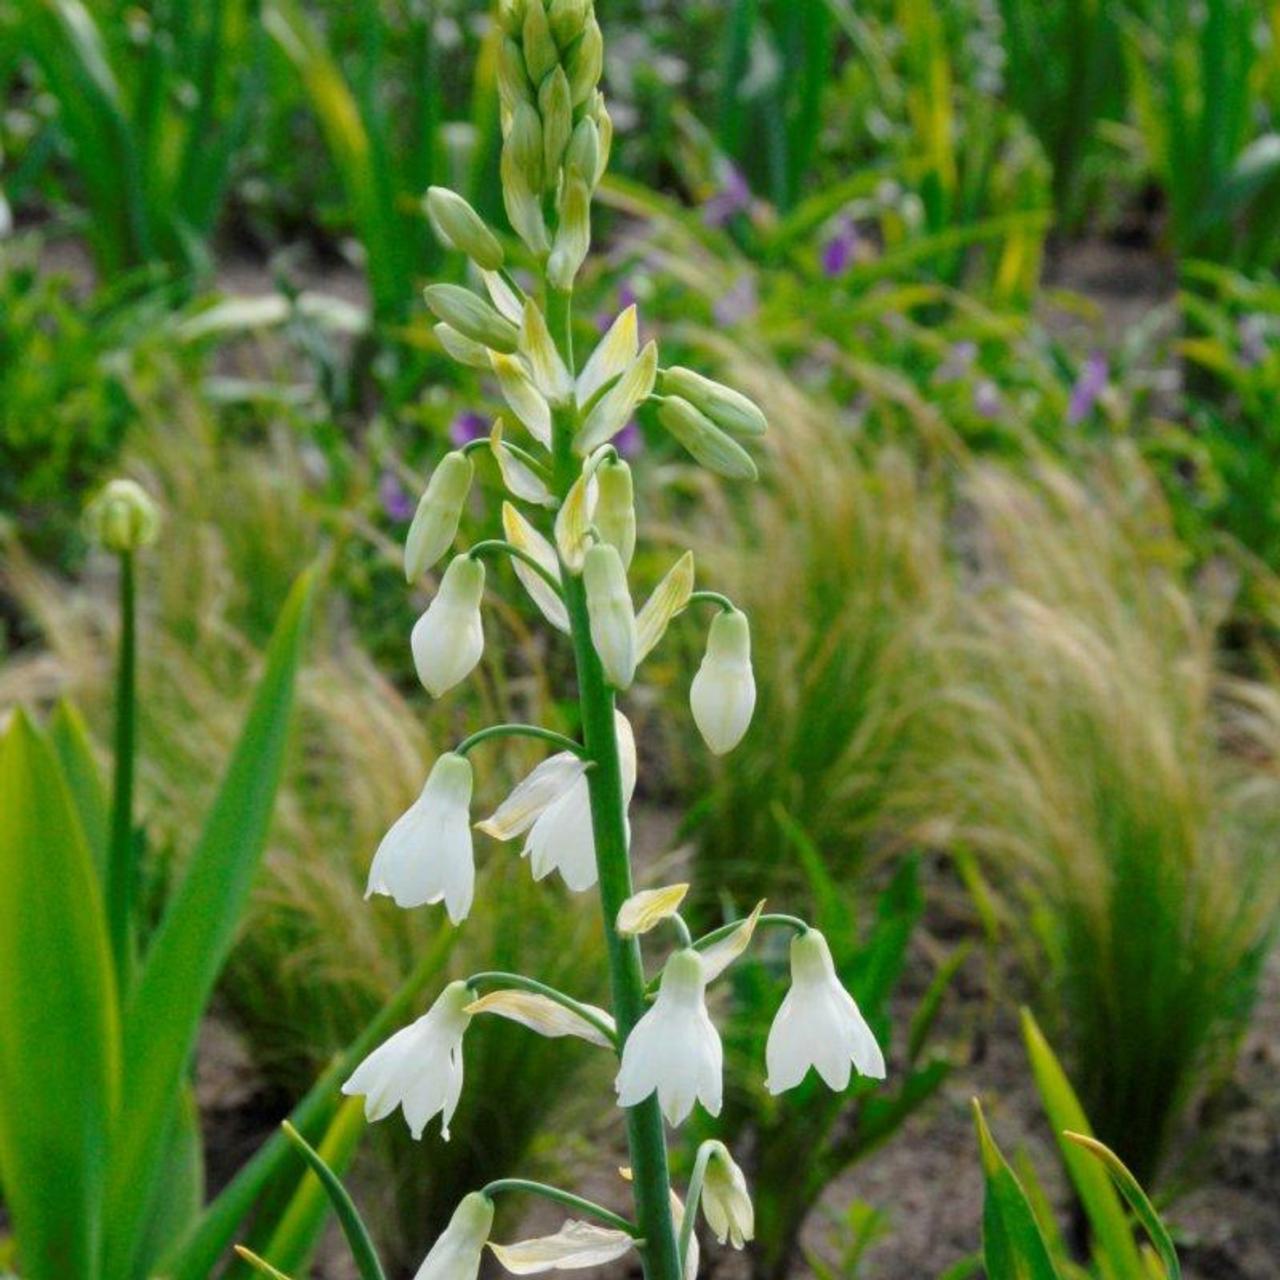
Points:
[[123, 518], [615, 514]]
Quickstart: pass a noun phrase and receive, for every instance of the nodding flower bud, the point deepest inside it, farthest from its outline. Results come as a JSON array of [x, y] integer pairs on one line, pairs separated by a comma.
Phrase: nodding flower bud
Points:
[[471, 316], [726, 1202], [583, 154], [540, 52], [705, 441], [557, 122], [613, 620], [567, 18], [723, 694], [448, 640], [435, 523], [462, 228], [726, 407], [123, 518], [458, 1250], [573, 236], [524, 145], [584, 61], [604, 127], [615, 509]]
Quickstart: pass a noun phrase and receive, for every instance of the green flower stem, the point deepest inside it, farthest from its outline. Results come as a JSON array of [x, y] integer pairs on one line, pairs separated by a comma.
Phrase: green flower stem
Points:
[[788, 922], [712, 597], [677, 921], [519, 981], [521, 731], [693, 1194], [566, 1198], [499, 546], [560, 323], [121, 860]]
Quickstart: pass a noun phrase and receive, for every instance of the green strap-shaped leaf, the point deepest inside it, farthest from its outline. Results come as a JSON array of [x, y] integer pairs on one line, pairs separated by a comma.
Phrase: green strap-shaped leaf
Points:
[[1137, 1198], [192, 941], [353, 1227], [69, 737], [1013, 1245], [59, 1020], [1113, 1239]]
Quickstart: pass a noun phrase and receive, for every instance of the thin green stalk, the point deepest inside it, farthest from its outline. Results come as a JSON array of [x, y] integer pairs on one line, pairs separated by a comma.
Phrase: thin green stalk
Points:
[[774, 918], [576, 1007], [520, 731], [693, 1194], [566, 1198], [120, 862], [711, 597], [491, 546]]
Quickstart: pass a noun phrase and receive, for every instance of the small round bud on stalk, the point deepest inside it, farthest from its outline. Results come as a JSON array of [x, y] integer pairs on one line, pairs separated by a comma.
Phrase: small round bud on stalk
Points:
[[457, 1254], [705, 441], [612, 617], [573, 236], [557, 122], [725, 407], [435, 522], [615, 514], [584, 61], [460, 227], [448, 640], [123, 518], [726, 1202], [567, 19], [471, 316], [540, 52], [723, 694]]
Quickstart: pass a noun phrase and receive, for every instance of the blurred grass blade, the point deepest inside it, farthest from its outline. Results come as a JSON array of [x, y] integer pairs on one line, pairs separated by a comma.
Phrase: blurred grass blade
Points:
[[59, 1020], [1106, 1214], [69, 737], [345, 1129], [260, 1265], [1012, 1242], [1136, 1197], [192, 940]]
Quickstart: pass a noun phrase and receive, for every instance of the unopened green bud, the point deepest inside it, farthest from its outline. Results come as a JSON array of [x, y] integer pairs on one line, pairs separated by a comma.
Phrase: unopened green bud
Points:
[[725, 407], [511, 16], [567, 18], [471, 316], [557, 122], [462, 228], [523, 205], [609, 609], [583, 153], [123, 518], [524, 142], [583, 62], [435, 523], [705, 441], [540, 52], [615, 509], [461, 348], [604, 127], [513, 79], [573, 235]]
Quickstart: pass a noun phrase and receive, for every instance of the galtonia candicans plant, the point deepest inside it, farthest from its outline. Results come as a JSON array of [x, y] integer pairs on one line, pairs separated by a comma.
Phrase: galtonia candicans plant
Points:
[[569, 529]]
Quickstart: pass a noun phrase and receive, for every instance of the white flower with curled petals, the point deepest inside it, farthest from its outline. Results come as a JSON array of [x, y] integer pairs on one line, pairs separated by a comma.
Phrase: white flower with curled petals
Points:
[[427, 855], [726, 1202], [448, 640], [419, 1068], [675, 1048], [457, 1251], [818, 1025]]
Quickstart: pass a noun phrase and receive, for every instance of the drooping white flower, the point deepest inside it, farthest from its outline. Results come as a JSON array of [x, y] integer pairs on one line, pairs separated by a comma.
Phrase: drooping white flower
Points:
[[553, 805], [457, 1250], [675, 1047], [723, 693], [575, 1246], [726, 1202], [818, 1025], [448, 640], [427, 855], [419, 1068]]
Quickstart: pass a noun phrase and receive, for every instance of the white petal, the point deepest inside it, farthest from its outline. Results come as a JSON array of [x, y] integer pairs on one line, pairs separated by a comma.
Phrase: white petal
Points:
[[503, 296], [522, 534], [613, 353], [573, 521], [562, 840], [668, 598], [575, 1246], [521, 480], [786, 1056], [533, 795], [545, 365], [720, 955], [543, 1015], [648, 908], [612, 410], [526, 401]]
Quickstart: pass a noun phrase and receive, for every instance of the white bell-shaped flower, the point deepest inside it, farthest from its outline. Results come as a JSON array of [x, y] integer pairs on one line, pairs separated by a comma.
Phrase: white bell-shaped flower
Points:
[[726, 1202], [818, 1024], [419, 1068], [448, 639], [457, 1251], [723, 694], [675, 1047], [427, 855], [553, 805]]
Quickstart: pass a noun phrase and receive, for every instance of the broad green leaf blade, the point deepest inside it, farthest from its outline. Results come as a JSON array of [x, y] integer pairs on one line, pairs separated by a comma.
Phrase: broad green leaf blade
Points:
[[69, 736], [1113, 1239], [1137, 1198], [59, 1020], [178, 1194], [366, 1256], [195, 934], [195, 1257], [1012, 1242]]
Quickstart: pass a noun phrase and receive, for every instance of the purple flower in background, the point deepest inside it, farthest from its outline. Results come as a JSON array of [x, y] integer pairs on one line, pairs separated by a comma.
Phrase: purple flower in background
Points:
[[629, 442], [395, 501], [739, 303], [987, 401], [467, 426], [1088, 387], [1252, 333], [957, 364], [734, 196], [838, 252]]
